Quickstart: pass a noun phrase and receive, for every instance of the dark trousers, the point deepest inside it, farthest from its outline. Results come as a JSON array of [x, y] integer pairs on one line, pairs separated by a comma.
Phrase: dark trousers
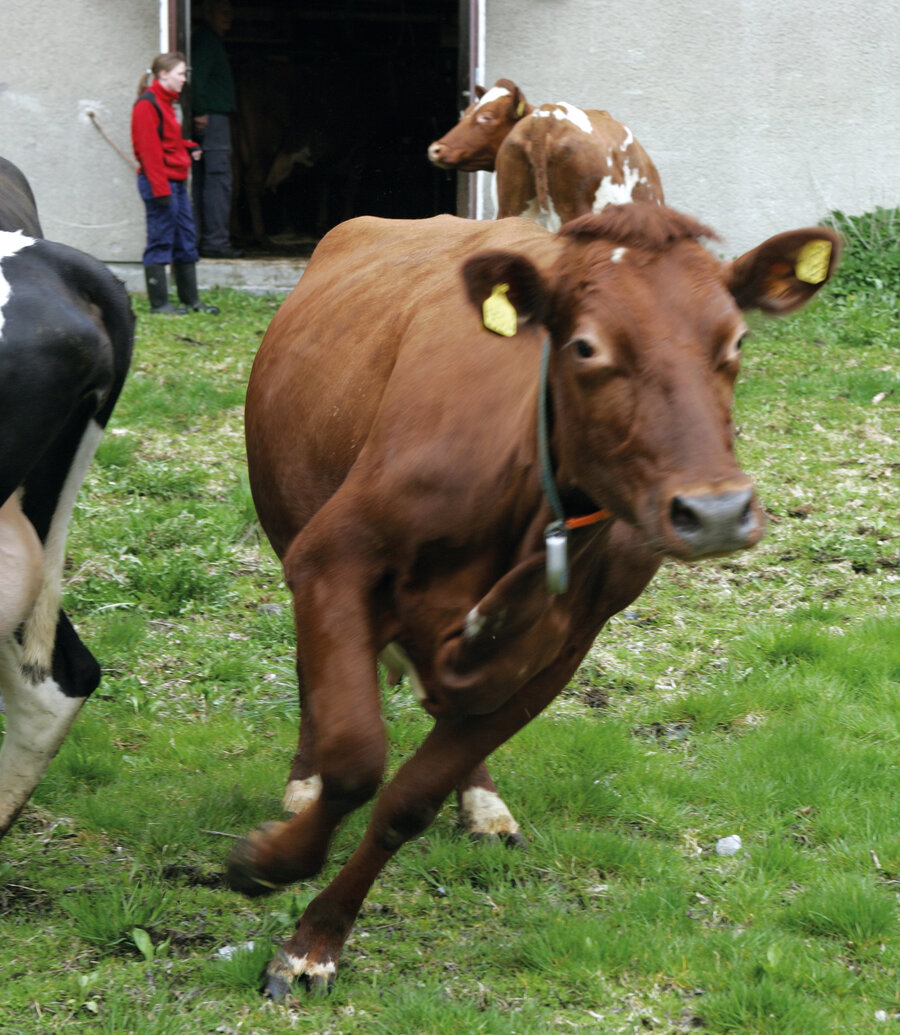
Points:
[[212, 185], [170, 228]]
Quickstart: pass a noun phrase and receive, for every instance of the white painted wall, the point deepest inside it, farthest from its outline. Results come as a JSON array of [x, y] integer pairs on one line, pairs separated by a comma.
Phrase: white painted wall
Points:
[[57, 61], [759, 116]]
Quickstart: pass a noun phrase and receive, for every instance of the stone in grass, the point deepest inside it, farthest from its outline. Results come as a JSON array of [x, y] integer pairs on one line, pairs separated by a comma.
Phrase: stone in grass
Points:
[[730, 845]]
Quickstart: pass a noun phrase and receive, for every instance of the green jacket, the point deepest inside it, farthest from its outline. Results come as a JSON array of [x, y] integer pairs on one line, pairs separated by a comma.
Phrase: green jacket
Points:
[[212, 87]]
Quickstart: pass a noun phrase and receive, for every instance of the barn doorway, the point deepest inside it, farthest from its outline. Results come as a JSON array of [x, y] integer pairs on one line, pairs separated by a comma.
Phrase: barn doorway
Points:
[[338, 101]]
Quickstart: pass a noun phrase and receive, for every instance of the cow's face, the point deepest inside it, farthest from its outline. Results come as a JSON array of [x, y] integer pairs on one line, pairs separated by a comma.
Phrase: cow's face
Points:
[[646, 330], [473, 143]]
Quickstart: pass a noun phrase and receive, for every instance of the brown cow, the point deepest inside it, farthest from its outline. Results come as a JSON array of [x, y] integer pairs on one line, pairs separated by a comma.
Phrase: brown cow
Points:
[[553, 163], [409, 464]]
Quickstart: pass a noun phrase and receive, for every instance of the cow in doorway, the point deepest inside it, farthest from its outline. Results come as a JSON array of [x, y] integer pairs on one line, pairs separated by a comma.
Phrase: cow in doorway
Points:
[[471, 444], [66, 335], [553, 163]]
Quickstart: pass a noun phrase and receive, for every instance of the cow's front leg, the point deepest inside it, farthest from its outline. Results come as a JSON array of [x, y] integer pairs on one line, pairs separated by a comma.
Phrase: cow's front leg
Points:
[[38, 712], [341, 701], [405, 808]]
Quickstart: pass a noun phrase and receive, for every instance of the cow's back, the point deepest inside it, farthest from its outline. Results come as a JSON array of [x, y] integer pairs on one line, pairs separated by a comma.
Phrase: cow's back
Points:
[[373, 288], [572, 162]]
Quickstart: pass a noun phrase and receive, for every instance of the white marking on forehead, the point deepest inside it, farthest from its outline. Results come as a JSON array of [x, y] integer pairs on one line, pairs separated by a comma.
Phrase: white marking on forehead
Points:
[[10, 244], [618, 254], [616, 191], [567, 112], [494, 94], [629, 139]]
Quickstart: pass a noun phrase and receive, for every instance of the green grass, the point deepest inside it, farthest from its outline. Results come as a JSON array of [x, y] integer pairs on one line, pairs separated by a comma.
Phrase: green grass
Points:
[[759, 695]]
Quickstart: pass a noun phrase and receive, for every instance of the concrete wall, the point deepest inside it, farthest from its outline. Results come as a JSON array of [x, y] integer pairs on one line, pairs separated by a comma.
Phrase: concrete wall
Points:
[[58, 61], [760, 117]]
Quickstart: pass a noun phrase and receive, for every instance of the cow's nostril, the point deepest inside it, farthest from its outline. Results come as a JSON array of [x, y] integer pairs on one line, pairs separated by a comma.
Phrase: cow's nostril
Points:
[[684, 518]]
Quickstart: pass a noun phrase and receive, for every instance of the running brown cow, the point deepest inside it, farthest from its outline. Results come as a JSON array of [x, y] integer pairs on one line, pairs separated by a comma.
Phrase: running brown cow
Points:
[[418, 474], [554, 162]]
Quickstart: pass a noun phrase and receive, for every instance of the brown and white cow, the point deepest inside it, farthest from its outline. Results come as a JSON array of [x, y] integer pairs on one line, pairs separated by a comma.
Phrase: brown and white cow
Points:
[[553, 163], [66, 335], [408, 465]]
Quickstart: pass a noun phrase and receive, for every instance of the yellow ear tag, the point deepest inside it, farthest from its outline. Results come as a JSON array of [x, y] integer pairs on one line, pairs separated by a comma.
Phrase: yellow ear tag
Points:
[[812, 262], [520, 109], [499, 314]]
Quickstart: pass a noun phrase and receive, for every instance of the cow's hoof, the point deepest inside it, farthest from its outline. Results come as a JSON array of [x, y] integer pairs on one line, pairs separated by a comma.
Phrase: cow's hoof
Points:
[[242, 868], [317, 978], [510, 838]]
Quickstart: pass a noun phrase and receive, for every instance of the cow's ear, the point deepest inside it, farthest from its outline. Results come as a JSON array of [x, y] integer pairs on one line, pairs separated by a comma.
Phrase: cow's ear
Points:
[[784, 272], [506, 289], [479, 92]]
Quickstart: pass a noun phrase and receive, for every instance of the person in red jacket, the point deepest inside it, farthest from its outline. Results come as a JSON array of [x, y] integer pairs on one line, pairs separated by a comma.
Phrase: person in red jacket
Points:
[[164, 159]]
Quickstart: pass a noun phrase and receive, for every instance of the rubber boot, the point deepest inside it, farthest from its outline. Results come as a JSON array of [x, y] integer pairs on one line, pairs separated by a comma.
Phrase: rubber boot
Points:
[[186, 282], [158, 291]]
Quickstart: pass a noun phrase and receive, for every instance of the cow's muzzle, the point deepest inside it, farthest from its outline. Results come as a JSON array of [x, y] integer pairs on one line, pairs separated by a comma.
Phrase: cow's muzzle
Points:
[[437, 154], [714, 523]]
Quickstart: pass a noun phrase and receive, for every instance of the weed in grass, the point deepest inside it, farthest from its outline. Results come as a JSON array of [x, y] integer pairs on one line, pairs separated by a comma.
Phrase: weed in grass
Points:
[[161, 1016], [116, 450], [241, 967], [107, 917], [764, 1007], [860, 915], [871, 259]]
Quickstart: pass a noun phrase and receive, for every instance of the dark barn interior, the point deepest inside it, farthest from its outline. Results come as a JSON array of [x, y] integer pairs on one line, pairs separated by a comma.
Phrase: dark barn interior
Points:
[[337, 103]]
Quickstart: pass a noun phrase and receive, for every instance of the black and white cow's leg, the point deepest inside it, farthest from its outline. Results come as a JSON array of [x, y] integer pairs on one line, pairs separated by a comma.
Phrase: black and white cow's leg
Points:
[[46, 673], [482, 812]]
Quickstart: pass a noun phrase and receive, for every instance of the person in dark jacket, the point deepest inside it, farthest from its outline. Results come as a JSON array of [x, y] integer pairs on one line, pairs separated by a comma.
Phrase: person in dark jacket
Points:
[[213, 103], [164, 160]]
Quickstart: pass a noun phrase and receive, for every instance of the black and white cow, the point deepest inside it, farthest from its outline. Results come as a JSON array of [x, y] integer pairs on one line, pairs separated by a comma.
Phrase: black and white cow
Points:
[[66, 336]]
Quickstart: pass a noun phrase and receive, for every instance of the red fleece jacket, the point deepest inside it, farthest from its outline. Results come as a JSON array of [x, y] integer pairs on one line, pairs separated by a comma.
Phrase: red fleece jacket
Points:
[[163, 159]]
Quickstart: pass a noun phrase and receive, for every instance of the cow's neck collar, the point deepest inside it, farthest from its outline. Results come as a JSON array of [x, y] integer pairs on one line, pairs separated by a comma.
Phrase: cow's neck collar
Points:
[[556, 533]]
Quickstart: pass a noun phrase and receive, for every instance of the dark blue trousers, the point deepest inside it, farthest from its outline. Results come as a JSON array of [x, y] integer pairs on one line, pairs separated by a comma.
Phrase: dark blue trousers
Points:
[[170, 228]]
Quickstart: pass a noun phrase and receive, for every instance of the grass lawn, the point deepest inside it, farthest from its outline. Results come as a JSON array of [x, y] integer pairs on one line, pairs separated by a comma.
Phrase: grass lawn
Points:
[[756, 696]]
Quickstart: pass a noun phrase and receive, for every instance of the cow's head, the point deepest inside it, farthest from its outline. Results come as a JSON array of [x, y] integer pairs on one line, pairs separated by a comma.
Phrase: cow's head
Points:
[[473, 143], [645, 327]]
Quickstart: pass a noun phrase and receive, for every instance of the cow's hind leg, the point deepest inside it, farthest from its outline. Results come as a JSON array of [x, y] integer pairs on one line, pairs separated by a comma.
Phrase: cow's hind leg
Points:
[[482, 812], [304, 785], [46, 673]]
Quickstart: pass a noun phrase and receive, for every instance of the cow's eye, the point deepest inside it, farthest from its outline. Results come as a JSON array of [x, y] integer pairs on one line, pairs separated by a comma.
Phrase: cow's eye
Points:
[[740, 342], [583, 348], [485, 117]]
